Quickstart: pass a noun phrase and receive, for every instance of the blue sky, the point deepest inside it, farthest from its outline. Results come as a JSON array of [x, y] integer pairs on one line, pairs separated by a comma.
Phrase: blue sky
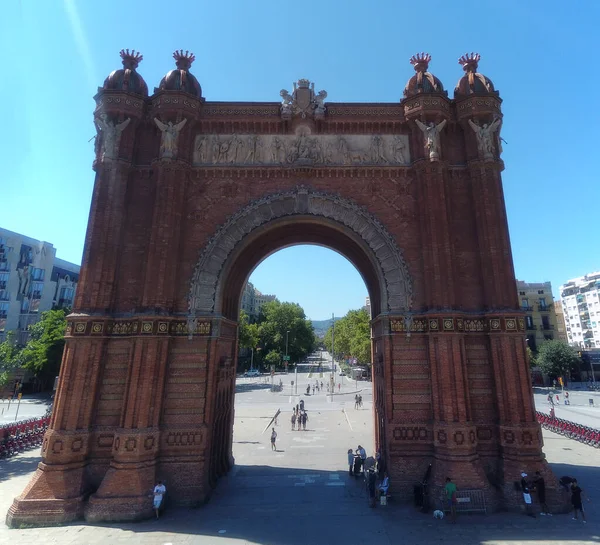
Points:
[[542, 57]]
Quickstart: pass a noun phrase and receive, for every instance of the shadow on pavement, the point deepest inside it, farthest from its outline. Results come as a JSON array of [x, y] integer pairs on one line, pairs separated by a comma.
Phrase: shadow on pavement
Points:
[[19, 465], [290, 506], [239, 388]]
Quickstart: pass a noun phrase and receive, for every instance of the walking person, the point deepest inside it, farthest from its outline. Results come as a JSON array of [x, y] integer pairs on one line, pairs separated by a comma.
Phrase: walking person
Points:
[[540, 488], [567, 401], [273, 439], [159, 493], [355, 401], [450, 489], [313, 389], [304, 420], [526, 495], [576, 495], [359, 401], [321, 385], [339, 387], [293, 420]]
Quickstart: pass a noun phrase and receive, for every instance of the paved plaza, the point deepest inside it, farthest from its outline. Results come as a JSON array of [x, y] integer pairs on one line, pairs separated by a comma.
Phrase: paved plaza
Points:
[[301, 494]]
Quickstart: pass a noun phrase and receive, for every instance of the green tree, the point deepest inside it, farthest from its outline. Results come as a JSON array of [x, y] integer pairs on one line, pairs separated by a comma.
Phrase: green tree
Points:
[[531, 357], [352, 336], [556, 358], [280, 322], [10, 357], [43, 352], [248, 333]]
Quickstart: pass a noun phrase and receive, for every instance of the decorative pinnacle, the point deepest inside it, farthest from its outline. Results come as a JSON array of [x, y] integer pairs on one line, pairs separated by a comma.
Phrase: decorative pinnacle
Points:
[[130, 59], [420, 61], [183, 61], [303, 82], [469, 61]]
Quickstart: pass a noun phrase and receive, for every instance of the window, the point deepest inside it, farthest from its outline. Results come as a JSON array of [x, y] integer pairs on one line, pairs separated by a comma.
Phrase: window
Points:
[[37, 274], [3, 280], [542, 303], [545, 322], [529, 321], [66, 296], [36, 289], [524, 302], [540, 292], [3, 310], [25, 305], [3, 265]]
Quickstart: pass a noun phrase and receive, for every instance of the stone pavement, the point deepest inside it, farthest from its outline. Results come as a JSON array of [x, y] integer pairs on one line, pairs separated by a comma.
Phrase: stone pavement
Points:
[[301, 494]]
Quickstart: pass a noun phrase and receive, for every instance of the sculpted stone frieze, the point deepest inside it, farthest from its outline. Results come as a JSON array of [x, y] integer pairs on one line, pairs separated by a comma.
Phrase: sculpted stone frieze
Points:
[[396, 283], [303, 149]]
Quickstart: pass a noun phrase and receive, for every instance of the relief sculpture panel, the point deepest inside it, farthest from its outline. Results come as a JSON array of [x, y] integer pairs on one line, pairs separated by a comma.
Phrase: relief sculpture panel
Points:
[[252, 149]]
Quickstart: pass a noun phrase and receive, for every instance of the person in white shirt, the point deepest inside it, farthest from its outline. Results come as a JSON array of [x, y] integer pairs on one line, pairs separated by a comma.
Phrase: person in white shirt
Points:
[[159, 493]]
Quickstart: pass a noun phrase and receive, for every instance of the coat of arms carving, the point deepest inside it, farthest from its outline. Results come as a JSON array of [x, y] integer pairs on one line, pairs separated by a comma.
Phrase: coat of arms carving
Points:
[[303, 101]]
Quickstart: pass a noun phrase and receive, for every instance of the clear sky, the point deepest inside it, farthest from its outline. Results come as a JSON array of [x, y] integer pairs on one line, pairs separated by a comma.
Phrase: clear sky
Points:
[[542, 57]]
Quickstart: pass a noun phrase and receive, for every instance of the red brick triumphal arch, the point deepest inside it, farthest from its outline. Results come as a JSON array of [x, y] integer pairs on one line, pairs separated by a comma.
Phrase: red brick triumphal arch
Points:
[[190, 195]]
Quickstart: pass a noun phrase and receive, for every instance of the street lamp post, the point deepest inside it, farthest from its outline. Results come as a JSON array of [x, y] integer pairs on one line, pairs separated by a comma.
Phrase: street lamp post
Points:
[[251, 358]]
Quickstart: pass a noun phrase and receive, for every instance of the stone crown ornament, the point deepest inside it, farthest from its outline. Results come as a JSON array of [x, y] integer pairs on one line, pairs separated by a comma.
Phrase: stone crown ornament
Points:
[[473, 82], [420, 61], [132, 59], [469, 61], [422, 81], [183, 61]]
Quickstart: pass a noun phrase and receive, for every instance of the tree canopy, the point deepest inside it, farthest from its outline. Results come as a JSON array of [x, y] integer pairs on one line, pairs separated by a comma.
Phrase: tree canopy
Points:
[[277, 323], [557, 359], [352, 336]]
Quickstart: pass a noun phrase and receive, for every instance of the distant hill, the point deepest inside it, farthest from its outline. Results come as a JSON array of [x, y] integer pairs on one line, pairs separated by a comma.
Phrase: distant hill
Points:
[[321, 326]]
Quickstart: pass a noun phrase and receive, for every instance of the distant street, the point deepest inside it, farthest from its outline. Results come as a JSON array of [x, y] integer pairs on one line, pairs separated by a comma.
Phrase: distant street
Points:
[[579, 410], [30, 407]]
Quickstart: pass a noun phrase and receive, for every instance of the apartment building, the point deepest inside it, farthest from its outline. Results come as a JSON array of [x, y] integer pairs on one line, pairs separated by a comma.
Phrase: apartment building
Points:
[[581, 307], [537, 302], [32, 280]]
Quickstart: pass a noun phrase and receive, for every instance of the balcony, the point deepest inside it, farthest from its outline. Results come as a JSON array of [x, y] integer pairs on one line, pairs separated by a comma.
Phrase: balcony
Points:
[[547, 327], [545, 308], [527, 308], [531, 327]]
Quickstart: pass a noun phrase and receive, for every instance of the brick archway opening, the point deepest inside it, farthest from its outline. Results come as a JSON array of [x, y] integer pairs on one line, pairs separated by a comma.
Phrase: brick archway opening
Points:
[[254, 249]]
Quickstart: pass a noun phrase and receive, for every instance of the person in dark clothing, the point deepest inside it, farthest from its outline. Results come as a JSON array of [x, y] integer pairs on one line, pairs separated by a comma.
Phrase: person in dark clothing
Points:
[[371, 478], [540, 488], [565, 482], [381, 469], [576, 494], [525, 488], [350, 462]]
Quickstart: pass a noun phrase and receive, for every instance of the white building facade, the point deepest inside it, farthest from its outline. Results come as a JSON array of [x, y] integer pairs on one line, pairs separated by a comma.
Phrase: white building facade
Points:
[[32, 280], [252, 300], [581, 307]]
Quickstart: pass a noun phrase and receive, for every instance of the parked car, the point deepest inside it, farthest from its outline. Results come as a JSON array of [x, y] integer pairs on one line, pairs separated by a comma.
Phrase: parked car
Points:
[[252, 373]]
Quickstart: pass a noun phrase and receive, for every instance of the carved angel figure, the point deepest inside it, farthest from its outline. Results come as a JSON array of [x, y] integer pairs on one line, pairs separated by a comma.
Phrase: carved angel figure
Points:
[[485, 137], [320, 102], [286, 101], [111, 135], [431, 133], [170, 132]]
